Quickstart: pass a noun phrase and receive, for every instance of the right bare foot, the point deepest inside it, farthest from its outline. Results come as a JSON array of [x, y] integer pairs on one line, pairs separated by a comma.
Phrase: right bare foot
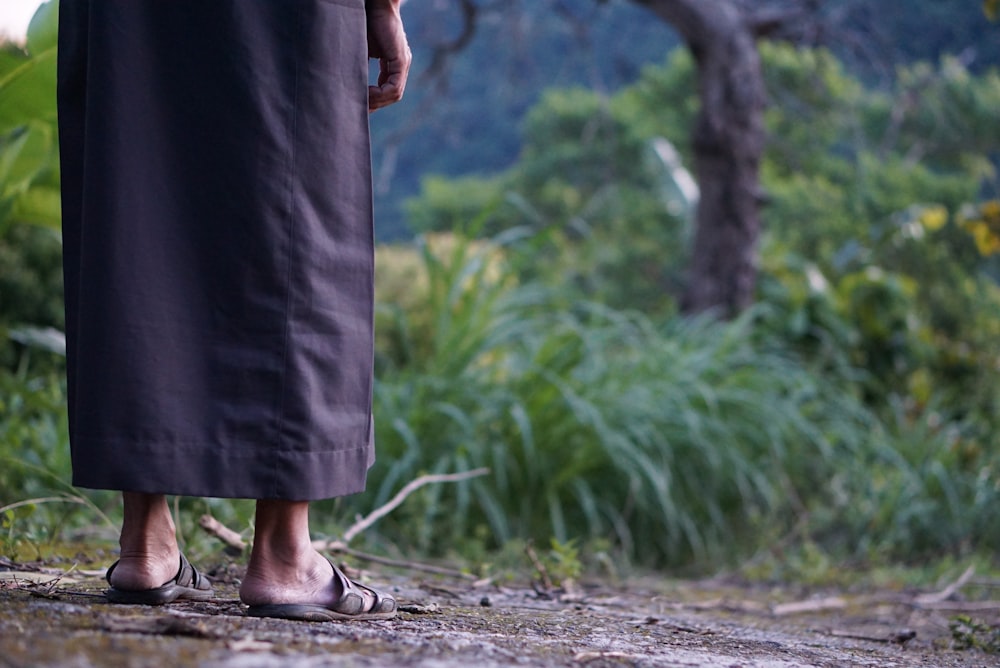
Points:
[[305, 579]]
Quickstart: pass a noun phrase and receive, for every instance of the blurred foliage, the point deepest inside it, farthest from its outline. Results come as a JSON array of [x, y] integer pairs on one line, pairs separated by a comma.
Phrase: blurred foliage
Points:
[[879, 272], [688, 442], [30, 250], [675, 441], [970, 633], [466, 118], [463, 118], [29, 165], [33, 433]]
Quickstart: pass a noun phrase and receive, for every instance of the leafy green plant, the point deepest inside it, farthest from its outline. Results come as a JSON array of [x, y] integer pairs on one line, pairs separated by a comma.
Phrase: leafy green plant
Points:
[[676, 440], [564, 562], [30, 253], [29, 166], [922, 485], [33, 435], [969, 633]]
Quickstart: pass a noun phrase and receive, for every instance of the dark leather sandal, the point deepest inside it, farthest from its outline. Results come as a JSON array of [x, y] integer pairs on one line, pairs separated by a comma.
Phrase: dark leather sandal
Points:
[[187, 585], [351, 605]]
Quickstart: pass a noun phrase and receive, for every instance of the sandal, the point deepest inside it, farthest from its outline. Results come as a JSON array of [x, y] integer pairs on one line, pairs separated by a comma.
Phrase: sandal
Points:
[[351, 605], [187, 585]]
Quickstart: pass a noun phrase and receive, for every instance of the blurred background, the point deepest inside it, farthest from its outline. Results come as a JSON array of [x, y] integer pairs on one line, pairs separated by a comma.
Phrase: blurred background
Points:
[[705, 285]]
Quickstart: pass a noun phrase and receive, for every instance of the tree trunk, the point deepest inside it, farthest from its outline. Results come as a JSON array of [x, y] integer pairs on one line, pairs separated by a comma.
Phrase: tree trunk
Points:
[[728, 140]]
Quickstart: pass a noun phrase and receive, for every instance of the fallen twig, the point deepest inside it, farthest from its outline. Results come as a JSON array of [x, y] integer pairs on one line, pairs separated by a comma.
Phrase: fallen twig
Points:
[[948, 591], [216, 528], [409, 565], [540, 567], [803, 607], [408, 489], [900, 637], [959, 606], [415, 609]]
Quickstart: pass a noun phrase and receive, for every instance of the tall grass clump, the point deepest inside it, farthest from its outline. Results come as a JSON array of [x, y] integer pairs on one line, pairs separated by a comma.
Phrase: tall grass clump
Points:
[[678, 441], [38, 504], [34, 451], [922, 485]]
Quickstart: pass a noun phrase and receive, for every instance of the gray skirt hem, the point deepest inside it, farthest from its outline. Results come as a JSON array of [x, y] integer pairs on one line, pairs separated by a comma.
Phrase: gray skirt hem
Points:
[[214, 473]]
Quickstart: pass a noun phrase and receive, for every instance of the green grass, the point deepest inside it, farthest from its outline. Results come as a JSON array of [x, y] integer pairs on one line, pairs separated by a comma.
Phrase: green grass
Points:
[[690, 443]]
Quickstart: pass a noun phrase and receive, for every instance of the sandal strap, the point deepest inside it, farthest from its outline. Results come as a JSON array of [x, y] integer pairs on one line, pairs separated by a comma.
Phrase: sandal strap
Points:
[[187, 575], [352, 600]]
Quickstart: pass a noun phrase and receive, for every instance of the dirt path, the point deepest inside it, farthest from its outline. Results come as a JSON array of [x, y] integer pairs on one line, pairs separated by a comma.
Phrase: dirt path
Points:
[[449, 624]]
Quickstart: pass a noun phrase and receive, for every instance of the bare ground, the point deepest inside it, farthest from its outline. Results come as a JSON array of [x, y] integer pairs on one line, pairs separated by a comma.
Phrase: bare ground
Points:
[[45, 621]]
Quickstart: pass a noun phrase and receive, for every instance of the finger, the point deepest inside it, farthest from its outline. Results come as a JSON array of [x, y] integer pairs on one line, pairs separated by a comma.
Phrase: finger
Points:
[[383, 96], [391, 85]]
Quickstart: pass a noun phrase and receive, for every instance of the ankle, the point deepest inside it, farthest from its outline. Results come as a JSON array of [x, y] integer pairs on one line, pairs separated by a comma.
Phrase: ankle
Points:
[[147, 528], [149, 550], [152, 540], [291, 554]]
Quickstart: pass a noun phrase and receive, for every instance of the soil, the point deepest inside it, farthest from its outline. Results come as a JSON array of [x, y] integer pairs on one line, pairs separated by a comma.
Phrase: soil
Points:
[[49, 617]]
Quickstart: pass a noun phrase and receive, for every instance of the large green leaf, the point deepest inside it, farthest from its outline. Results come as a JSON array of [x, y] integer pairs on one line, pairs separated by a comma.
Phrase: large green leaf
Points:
[[28, 84], [28, 92], [43, 29]]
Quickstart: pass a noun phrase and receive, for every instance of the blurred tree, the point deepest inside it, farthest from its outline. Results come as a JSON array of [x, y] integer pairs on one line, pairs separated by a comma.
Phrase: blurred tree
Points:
[[728, 137], [727, 140]]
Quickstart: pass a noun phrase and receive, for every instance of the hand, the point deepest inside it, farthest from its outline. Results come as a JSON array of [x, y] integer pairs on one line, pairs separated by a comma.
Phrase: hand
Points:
[[387, 42]]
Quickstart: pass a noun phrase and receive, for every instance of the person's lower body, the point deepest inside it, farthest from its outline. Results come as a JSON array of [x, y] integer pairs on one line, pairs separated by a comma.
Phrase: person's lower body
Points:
[[218, 260]]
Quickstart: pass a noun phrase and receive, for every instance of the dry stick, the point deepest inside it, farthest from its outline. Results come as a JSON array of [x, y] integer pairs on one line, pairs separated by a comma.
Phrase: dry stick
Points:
[[899, 637], [222, 532], [408, 489], [960, 606], [539, 566], [804, 607], [410, 565], [947, 592]]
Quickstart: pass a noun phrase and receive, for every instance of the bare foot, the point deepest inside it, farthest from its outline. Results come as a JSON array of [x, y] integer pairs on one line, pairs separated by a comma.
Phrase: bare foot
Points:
[[284, 568], [149, 553], [306, 578]]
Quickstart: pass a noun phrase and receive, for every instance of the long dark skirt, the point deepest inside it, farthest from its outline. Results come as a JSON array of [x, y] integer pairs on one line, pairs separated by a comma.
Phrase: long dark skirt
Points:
[[217, 221]]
